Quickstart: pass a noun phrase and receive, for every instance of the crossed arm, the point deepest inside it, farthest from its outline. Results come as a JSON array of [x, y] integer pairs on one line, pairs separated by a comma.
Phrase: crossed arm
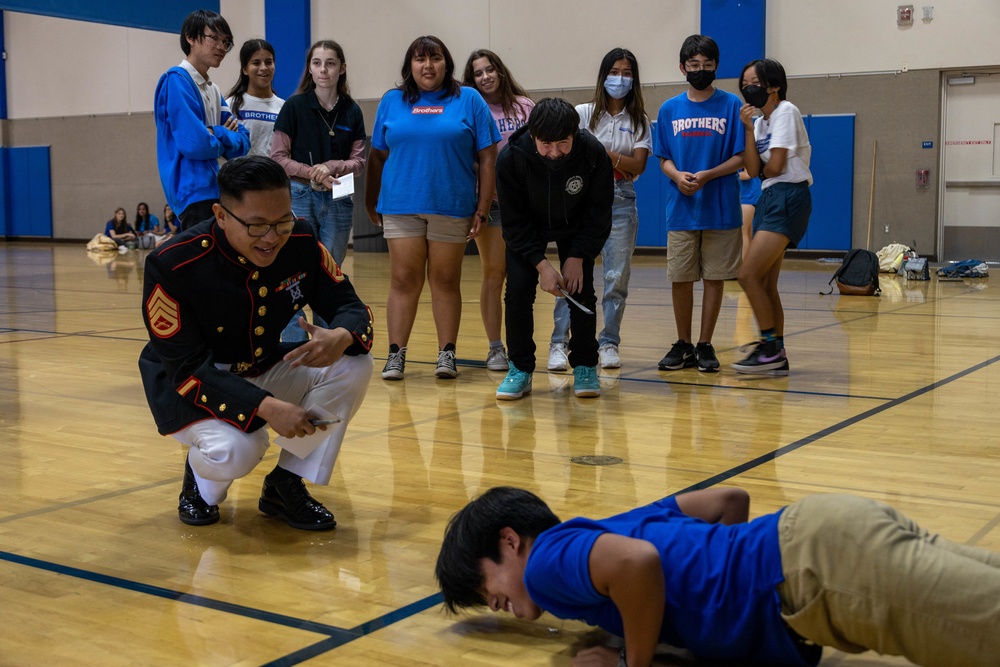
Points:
[[629, 571]]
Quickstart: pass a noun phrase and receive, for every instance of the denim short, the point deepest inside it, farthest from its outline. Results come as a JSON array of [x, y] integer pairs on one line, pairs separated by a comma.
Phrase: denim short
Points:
[[784, 208]]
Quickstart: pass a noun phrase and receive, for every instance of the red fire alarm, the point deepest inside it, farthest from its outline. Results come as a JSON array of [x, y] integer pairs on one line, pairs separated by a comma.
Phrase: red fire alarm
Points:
[[904, 15]]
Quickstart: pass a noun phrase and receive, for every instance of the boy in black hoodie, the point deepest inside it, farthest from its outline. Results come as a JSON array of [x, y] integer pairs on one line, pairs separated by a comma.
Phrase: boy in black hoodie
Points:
[[555, 183]]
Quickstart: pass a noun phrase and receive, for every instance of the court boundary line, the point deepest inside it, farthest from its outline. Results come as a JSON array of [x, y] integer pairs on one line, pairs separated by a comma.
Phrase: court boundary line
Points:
[[337, 637]]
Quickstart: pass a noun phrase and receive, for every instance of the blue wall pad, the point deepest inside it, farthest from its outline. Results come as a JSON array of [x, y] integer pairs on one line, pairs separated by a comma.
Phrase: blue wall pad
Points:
[[737, 26], [26, 202], [287, 27], [832, 167], [162, 16]]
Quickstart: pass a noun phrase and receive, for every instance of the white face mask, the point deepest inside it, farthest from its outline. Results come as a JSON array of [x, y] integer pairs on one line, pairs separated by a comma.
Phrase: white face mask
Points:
[[618, 86]]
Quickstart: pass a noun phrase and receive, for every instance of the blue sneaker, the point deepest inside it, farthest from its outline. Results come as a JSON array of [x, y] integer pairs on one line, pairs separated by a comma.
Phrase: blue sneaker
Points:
[[585, 382], [515, 385]]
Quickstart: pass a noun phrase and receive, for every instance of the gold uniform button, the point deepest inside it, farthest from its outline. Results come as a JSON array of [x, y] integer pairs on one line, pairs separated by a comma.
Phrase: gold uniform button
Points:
[[222, 408], [364, 338], [241, 417], [369, 330], [243, 260], [255, 275], [204, 243], [262, 291], [296, 307], [259, 351], [204, 398], [259, 331], [219, 329], [262, 311]]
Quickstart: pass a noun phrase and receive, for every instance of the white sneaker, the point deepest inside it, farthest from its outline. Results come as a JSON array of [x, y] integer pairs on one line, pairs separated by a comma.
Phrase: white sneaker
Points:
[[558, 359], [608, 354], [496, 360]]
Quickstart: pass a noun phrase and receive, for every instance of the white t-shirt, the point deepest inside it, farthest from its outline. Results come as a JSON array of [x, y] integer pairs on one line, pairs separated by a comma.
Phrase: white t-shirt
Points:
[[785, 129], [258, 115], [615, 132]]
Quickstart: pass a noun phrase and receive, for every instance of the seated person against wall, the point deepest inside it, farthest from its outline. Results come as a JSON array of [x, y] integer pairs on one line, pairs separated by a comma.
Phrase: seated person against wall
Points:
[[119, 229], [171, 225], [148, 230]]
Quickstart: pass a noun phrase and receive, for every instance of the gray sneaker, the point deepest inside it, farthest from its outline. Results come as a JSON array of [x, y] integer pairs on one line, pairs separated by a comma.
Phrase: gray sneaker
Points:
[[394, 365], [446, 369]]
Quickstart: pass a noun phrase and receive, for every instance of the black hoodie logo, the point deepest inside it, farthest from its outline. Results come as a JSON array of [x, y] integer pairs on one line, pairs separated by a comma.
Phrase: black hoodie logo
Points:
[[574, 185]]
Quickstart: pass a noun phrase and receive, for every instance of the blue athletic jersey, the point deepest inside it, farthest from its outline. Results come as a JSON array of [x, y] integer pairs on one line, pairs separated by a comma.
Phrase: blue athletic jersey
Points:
[[432, 148], [720, 581], [698, 136]]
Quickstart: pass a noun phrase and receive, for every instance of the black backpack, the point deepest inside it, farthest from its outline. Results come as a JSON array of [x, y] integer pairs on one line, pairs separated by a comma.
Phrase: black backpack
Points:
[[858, 274]]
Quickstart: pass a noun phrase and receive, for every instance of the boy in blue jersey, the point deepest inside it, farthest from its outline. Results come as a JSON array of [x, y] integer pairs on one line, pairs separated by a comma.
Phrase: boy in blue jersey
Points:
[[829, 570], [700, 149], [194, 127]]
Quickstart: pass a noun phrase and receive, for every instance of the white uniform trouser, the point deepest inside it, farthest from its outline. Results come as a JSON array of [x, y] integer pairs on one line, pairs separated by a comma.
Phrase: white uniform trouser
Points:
[[220, 453]]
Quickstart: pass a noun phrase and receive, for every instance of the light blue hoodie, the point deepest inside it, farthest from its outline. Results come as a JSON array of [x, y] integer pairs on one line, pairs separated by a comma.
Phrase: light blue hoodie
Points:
[[186, 153]]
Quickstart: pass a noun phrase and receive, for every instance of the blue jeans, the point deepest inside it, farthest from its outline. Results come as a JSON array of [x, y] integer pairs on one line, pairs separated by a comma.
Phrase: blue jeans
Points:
[[616, 260], [332, 220]]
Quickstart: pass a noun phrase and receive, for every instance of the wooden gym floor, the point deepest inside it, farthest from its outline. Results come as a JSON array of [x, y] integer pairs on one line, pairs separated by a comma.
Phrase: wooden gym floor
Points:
[[895, 398]]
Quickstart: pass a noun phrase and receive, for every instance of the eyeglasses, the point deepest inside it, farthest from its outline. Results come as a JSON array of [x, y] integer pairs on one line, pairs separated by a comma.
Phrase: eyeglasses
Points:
[[259, 229], [225, 43], [697, 68]]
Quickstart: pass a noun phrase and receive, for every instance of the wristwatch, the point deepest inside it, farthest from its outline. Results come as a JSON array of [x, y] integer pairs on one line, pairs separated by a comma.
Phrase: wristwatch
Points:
[[761, 175], [621, 658]]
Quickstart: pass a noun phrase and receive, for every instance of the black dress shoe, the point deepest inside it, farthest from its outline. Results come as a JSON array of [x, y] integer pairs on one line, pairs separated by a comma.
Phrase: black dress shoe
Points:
[[287, 497], [191, 508]]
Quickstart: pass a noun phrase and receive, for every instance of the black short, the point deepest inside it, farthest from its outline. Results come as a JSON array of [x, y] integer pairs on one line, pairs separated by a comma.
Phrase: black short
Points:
[[784, 208]]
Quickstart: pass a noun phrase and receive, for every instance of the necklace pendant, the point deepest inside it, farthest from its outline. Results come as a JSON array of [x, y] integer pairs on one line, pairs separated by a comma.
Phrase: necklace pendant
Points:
[[332, 133]]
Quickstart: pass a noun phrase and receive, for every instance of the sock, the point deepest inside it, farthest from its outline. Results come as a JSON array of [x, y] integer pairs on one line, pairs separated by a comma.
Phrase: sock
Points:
[[768, 335], [450, 347], [393, 348], [781, 342], [496, 343], [279, 474]]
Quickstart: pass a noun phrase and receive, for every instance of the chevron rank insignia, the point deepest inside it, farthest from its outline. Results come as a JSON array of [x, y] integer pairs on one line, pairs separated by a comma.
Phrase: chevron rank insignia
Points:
[[330, 265], [163, 314]]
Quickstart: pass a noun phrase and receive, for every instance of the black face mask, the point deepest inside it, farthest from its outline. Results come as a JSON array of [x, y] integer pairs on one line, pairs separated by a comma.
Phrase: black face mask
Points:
[[701, 79], [755, 96]]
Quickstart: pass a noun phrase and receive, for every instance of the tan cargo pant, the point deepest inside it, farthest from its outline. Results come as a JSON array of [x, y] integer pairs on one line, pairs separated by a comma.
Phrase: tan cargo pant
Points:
[[860, 575]]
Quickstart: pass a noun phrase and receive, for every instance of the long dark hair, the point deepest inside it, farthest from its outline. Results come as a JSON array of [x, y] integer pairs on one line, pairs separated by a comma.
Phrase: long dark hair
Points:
[[428, 45], [236, 93], [306, 83], [633, 100], [121, 227], [138, 219], [509, 89]]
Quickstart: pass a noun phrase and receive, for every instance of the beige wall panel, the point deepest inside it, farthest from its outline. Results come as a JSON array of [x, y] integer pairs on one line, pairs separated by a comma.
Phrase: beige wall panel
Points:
[[246, 20], [550, 45], [862, 35]]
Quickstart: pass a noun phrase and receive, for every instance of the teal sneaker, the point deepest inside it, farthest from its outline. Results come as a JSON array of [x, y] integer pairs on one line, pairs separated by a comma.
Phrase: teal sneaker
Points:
[[515, 385], [585, 382]]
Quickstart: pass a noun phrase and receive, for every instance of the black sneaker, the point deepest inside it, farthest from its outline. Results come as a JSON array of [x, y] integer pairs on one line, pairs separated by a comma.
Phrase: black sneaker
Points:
[[704, 355], [681, 355], [763, 362]]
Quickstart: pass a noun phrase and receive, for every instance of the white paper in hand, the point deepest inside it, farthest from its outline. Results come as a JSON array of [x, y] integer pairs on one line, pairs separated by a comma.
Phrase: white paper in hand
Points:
[[304, 446], [345, 188]]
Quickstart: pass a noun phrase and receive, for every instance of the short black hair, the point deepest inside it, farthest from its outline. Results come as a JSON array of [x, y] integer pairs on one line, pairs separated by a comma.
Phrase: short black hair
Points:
[[474, 533], [770, 74], [250, 173], [195, 24], [699, 45], [553, 119]]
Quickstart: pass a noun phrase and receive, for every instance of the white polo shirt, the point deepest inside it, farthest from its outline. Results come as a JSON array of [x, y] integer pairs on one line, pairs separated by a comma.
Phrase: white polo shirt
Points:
[[615, 132], [211, 96]]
